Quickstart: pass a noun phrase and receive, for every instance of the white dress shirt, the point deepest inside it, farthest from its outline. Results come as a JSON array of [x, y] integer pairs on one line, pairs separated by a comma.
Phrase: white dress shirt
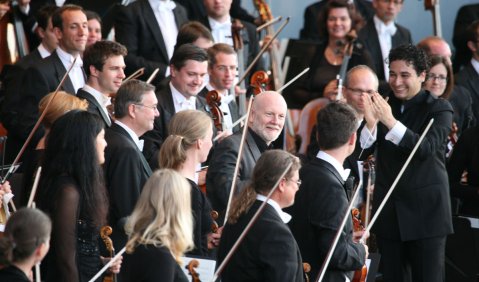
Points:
[[138, 142], [180, 102], [163, 10], [221, 31], [285, 217], [103, 100], [385, 34], [76, 75]]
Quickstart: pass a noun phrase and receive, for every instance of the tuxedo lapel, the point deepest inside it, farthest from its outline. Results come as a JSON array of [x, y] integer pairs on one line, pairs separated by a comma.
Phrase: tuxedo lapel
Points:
[[251, 145], [91, 100], [60, 72], [152, 23]]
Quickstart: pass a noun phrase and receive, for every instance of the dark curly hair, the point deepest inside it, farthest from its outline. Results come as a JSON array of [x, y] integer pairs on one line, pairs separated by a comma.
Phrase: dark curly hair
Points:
[[356, 20], [412, 55]]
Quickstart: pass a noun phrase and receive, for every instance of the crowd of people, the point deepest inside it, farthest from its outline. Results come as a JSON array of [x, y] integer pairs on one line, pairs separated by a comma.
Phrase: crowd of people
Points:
[[155, 156]]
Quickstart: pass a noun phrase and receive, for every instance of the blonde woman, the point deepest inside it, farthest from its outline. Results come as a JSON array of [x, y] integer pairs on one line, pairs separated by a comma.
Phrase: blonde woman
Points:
[[184, 150], [159, 230]]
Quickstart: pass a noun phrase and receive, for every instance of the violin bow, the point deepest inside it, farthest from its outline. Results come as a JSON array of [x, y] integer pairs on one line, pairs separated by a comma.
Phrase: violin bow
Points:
[[37, 124], [238, 160], [260, 53], [292, 80], [153, 75], [134, 75], [322, 271], [393, 186], [248, 227], [265, 25], [34, 187], [107, 265]]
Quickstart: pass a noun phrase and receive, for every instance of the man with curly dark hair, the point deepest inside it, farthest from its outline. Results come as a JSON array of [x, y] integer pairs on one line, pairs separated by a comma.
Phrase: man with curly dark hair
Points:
[[412, 228]]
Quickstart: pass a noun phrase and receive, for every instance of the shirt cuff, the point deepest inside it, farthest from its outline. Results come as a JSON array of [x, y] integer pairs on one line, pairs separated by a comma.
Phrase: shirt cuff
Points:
[[396, 133], [367, 137]]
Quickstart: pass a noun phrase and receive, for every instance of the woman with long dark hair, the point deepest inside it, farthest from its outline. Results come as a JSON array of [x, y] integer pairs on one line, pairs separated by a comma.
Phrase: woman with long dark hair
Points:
[[71, 191]]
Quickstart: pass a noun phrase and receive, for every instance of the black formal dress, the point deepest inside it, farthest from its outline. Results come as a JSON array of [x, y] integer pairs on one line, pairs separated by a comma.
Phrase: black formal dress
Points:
[[136, 27], [267, 253], [126, 171], [149, 263], [319, 207], [469, 79], [222, 165], [201, 208], [74, 251], [465, 157], [166, 107], [418, 213], [321, 72], [94, 107], [13, 274]]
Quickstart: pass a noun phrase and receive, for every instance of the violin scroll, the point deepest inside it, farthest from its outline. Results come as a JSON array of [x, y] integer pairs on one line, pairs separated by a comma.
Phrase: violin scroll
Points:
[[213, 99], [192, 265]]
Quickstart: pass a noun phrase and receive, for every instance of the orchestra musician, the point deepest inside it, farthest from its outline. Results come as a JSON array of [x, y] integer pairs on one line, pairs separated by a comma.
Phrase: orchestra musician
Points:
[[94, 27], [186, 147], [179, 92], [196, 33], [322, 201], [269, 251], [148, 29], [125, 168], [460, 97], [25, 243], [104, 65], [412, 228], [381, 33], [222, 70], [337, 20], [72, 193], [160, 230], [266, 122]]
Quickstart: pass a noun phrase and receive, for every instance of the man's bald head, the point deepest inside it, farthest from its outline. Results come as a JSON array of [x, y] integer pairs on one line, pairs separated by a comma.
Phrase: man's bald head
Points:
[[268, 115], [436, 46]]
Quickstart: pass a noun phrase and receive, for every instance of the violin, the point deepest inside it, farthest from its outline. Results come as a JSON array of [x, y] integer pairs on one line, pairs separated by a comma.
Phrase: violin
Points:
[[259, 82], [213, 99], [359, 275], [214, 225], [105, 232], [306, 269], [195, 277]]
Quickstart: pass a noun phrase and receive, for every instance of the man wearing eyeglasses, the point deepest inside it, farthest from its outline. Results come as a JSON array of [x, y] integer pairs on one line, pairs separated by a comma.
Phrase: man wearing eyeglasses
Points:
[[125, 168], [322, 200], [412, 227], [381, 34]]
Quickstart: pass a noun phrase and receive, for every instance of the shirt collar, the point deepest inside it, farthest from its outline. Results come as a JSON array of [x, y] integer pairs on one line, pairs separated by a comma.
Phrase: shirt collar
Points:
[[262, 146], [332, 161], [138, 142], [178, 98], [43, 51], [381, 27], [475, 64], [284, 216], [214, 24], [67, 58], [102, 99]]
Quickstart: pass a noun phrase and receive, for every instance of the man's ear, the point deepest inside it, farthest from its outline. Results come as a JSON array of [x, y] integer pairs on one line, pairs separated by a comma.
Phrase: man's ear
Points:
[[471, 46], [352, 139]]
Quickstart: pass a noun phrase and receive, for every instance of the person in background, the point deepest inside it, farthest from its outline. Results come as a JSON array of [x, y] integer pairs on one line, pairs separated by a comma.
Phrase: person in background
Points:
[[94, 28], [160, 230], [24, 243]]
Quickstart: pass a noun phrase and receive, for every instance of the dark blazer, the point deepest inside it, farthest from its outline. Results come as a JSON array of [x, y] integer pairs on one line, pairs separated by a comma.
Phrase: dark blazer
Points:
[[126, 171], [420, 205], [137, 28], [94, 107], [466, 15], [469, 79], [311, 18], [369, 37], [155, 137], [222, 165], [267, 253], [319, 208], [461, 102], [250, 41], [232, 106]]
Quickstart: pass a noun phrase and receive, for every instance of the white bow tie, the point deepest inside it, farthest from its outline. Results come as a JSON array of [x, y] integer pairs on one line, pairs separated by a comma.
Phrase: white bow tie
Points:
[[388, 29], [166, 6], [221, 26]]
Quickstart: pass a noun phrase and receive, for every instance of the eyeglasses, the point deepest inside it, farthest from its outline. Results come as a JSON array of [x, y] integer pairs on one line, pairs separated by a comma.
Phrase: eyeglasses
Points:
[[395, 2], [152, 107], [439, 78], [295, 181], [357, 91]]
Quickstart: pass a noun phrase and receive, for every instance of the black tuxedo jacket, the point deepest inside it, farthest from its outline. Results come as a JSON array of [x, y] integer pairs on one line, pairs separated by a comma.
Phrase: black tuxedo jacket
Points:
[[137, 28], [319, 208], [461, 102], [232, 106], [154, 138], [126, 171], [94, 107], [369, 37], [420, 205], [222, 165], [469, 79], [466, 15], [267, 253]]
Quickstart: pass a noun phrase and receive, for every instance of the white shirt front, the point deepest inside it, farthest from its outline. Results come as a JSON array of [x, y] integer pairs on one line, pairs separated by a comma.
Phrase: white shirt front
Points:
[[385, 34], [163, 10], [76, 75], [180, 102], [100, 98], [221, 31]]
